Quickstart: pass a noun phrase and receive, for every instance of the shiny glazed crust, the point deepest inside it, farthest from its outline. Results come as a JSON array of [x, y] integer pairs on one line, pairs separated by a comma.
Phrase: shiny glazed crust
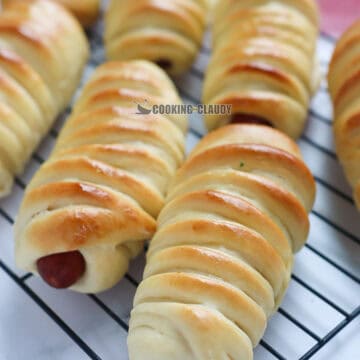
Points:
[[169, 31], [221, 259], [86, 11], [42, 54], [105, 182], [344, 87], [263, 61]]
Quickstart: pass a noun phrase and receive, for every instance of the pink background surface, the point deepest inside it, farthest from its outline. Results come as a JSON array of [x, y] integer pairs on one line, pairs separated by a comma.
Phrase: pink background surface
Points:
[[338, 15]]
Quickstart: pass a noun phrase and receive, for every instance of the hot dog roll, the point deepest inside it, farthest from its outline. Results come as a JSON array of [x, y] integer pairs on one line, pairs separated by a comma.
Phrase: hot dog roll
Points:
[[86, 11], [168, 33], [92, 205], [263, 63], [42, 53], [344, 87], [220, 261]]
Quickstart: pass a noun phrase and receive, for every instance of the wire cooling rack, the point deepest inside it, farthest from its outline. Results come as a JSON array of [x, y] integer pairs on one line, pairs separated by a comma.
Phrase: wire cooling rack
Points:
[[319, 318]]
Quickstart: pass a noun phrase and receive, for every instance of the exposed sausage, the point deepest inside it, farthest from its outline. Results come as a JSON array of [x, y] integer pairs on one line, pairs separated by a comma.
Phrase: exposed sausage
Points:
[[62, 270], [242, 118], [164, 64]]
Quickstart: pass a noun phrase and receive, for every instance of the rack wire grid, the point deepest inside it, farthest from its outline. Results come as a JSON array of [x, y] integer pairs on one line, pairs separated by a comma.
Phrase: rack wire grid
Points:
[[319, 318]]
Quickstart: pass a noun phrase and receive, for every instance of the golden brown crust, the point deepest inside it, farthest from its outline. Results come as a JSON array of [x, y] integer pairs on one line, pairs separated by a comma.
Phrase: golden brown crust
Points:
[[106, 180], [233, 209], [88, 169], [102, 215], [276, 167], [86, 11], [307, 8], [168, 33], [188, 259], [42, 54], [282, 206], [263, 62], [239, 240], [235, 215], [344, 86], [243, 134]]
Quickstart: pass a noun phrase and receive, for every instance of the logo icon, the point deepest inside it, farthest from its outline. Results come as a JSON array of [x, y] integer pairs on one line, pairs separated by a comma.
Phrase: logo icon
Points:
[[141, 110]]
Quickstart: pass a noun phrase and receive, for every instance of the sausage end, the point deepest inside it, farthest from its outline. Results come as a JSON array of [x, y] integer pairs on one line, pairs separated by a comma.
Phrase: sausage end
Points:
[[62, 270]]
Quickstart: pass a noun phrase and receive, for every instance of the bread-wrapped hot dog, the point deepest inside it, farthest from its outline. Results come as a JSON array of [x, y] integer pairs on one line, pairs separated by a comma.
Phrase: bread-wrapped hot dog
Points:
[[168, 33], [344, 87], [42, 54], [92, 205], [222, 256], [263, 63]]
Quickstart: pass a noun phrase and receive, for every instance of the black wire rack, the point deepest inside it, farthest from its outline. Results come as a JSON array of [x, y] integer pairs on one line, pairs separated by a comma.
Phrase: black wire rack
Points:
[[319, 341]]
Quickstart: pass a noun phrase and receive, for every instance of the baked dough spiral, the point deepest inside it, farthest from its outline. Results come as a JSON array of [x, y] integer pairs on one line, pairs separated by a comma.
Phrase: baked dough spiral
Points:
[[344, 87], [42, 54], [221, 259], [92, 205], [168, 33], [263, 62], [86, 11]]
